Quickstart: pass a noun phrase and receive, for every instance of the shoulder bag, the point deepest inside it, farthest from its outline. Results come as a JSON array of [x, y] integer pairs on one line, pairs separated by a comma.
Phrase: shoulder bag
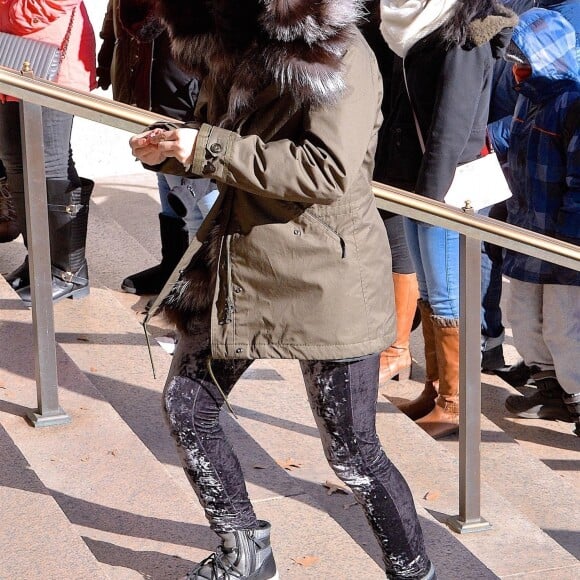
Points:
[[43, 58]]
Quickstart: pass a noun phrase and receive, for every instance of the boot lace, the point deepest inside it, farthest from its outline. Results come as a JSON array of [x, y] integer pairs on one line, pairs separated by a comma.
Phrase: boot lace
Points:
[[220, 568]]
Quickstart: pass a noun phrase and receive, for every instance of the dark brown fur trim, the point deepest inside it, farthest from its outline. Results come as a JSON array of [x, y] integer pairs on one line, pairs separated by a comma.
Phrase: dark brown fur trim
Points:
[[248, 45], [193, 293]]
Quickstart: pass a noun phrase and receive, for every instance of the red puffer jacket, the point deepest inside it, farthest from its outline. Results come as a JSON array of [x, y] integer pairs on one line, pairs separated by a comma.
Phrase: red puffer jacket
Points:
[[48, 20]]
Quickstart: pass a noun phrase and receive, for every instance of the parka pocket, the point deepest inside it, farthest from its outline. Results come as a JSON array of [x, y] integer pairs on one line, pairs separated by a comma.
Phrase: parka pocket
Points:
[[327, 230]]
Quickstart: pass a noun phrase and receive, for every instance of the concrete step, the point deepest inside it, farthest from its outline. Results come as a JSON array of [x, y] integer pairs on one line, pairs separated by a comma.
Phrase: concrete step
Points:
[[114, 470], [33, 527]]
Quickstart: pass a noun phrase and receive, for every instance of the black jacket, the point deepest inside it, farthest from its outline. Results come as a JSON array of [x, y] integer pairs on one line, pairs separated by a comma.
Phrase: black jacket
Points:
[[450, 88]]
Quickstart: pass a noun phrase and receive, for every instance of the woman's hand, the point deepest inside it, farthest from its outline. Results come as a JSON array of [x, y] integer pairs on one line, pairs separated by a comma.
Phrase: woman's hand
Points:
[[155, 146]]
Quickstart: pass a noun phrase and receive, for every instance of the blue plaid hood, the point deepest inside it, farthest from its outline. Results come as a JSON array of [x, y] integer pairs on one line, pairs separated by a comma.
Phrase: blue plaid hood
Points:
[[543, 157], [548, 43]]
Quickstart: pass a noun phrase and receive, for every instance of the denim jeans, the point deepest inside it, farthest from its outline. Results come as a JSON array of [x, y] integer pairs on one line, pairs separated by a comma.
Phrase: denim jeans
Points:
[[58, 161], [342, 396], [189, 199], [491, 282], [435, 253]]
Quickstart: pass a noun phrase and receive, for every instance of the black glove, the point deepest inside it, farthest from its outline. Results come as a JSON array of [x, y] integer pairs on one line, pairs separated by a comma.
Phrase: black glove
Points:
[[103, 78]]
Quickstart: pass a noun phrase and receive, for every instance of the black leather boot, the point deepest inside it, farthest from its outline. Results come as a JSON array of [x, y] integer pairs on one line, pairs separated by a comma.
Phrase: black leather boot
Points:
[[174, 242], [544, 403], [68, 213], [572, 402]]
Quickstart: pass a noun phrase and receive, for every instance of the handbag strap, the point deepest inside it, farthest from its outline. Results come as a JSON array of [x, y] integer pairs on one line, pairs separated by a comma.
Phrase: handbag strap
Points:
[[417, 126], [66, 39]]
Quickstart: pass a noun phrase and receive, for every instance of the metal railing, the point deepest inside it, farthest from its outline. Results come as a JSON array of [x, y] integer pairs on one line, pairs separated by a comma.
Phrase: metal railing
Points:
[[473, 230]]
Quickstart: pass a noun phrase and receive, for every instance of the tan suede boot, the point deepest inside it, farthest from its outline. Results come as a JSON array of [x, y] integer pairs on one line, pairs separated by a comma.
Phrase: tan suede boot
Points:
[[396, 360], [425, 402], [444, 418]]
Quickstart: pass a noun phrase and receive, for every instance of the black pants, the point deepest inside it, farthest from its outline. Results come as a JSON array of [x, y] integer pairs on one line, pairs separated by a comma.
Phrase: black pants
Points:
[[343, 398]]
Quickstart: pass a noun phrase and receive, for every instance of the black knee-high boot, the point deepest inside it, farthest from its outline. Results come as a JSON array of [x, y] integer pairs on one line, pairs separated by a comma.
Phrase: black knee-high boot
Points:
[[68, 212]]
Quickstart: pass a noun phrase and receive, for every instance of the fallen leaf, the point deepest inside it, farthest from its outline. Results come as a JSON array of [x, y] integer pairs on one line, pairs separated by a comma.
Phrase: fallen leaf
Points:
[[82, 339], [335, 487], [114, 452], [432, 495], [289, 464], [85, 459], [93, 369], [306, 561]]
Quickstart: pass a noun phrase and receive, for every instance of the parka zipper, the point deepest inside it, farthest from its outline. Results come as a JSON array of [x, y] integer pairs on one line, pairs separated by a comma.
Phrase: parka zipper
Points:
[[229, 308]]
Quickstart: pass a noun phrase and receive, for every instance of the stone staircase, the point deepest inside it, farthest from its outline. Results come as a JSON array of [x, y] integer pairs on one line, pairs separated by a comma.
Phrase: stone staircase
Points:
[[105, 497]]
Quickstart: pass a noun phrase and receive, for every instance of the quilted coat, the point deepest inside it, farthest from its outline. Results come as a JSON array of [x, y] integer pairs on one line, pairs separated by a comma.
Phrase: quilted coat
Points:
[[293, 260]]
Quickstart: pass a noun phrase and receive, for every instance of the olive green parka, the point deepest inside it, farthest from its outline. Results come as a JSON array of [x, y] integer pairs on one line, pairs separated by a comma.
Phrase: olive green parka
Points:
[[293, 260]]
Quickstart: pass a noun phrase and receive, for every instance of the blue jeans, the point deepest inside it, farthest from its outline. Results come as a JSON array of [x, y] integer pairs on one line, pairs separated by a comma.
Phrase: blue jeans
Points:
[[342, 397], [435, 253], [189, 199]]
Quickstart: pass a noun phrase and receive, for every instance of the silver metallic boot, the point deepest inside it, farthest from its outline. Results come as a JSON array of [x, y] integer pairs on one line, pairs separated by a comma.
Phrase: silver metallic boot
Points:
[[243, 555]]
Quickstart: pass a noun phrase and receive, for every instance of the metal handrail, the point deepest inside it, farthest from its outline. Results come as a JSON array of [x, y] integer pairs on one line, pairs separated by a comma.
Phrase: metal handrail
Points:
[[472, 229]]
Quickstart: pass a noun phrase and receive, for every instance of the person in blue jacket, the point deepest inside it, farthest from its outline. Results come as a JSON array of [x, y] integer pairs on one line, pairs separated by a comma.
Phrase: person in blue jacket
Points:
[[543, 162], [502, 105]]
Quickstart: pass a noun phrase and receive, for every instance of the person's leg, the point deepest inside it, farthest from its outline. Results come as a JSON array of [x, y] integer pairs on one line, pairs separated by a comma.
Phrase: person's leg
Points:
[[396, 361], [525, 311], [174, 242], [492, 329], [439, 254], [561, 325], [343, 396], [192, 404], [192, 199], [424, 403]]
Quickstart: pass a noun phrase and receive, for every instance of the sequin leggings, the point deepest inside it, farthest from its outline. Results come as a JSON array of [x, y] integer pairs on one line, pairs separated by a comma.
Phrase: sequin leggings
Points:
[[343, 397]]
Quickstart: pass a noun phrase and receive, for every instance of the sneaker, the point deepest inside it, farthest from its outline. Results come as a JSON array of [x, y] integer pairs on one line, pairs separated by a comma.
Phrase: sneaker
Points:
[[544, 403], [243, 555]]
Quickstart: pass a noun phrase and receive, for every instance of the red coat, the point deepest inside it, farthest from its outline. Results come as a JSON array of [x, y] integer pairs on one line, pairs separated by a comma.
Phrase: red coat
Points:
[[48, 20]]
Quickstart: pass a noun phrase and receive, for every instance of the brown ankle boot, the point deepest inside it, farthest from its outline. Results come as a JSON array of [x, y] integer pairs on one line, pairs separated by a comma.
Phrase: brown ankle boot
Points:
[[396, 360], [425, 402], [444, 418]]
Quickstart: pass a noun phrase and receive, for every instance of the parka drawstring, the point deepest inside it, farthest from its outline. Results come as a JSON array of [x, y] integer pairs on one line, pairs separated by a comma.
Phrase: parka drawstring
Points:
[[215, 382]]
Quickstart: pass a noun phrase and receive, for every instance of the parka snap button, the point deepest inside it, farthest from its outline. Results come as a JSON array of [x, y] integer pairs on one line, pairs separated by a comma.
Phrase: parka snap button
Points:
[[215, 147], [238, 350], [208, 168], [297, 232], [237, 289]]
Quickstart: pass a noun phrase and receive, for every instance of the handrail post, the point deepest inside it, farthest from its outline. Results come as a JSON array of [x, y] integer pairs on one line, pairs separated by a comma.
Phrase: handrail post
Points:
[[49, 412], [469, 518]]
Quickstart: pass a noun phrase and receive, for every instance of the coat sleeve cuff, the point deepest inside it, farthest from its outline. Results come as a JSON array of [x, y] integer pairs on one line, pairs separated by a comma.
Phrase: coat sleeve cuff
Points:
[[213, 150]]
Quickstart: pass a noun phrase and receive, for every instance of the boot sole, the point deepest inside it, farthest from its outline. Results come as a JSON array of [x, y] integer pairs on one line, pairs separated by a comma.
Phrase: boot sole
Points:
[[545, 413], [74, 295]]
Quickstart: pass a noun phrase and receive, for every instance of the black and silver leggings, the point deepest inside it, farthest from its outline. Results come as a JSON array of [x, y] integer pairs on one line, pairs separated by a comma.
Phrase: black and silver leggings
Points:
[[343, 398]]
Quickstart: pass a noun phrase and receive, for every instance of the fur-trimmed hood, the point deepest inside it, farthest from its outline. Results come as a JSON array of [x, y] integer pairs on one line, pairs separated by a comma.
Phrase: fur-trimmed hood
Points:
[[495, 28], [248, 45]]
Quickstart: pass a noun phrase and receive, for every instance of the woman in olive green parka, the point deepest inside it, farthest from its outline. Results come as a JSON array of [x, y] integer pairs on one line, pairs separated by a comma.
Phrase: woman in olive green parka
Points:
[[292, 262]]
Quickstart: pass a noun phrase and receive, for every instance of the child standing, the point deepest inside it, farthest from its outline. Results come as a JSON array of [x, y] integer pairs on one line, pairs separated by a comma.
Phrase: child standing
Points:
[[544, 166]]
